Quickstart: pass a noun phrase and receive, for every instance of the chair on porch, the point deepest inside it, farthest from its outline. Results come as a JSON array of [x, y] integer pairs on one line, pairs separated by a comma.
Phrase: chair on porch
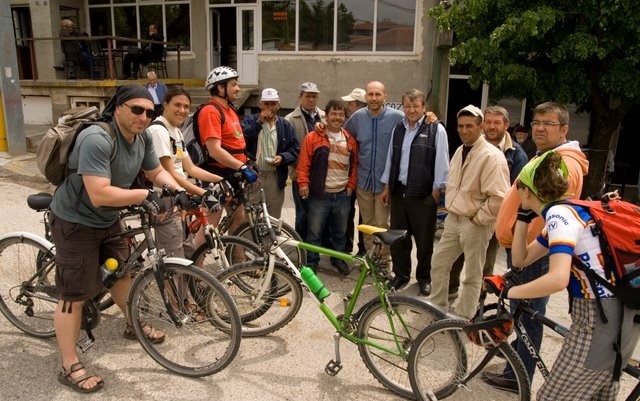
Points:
[[159, 66]]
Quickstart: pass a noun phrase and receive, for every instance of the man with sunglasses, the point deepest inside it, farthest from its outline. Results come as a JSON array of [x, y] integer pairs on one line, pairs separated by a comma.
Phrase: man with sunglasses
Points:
[[85, 211], [549, 130]]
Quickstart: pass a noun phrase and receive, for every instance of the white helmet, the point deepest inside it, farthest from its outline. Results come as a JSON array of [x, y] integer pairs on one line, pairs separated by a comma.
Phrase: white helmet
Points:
[[219, 75]]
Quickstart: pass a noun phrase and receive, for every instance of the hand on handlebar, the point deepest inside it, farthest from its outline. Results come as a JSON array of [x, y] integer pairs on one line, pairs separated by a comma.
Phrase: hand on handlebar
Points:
[[496, 285], [212, 203], [152, 203], [181, 199], [248, 173]]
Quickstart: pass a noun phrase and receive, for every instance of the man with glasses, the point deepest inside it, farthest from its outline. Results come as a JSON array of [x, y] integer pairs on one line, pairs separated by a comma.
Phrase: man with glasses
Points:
[[549, 130], [85, 212], [416, 171]]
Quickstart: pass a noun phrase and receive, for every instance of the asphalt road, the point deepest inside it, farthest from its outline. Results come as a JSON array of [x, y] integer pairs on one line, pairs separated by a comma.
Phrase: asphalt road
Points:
[[286, 365]]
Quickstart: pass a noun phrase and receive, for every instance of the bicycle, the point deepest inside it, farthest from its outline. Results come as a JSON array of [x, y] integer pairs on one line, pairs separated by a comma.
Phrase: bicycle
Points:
[[218, 251], [443, 362], [255, 229], [268, 293], [191, 307]]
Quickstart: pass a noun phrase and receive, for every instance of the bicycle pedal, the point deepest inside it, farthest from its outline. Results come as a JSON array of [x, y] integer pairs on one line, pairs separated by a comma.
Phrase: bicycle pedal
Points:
[[333, 368], [85, 344]]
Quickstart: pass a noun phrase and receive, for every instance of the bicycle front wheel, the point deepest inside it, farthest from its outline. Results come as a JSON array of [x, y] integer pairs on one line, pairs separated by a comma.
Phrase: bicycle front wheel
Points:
[[444, 363], [264, 305], [209, 337], [231, 250], [393, 328], [297, 255], [28, 294]]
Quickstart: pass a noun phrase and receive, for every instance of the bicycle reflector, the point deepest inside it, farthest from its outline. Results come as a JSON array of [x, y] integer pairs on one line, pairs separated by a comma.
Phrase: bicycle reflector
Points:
[[488, 329]]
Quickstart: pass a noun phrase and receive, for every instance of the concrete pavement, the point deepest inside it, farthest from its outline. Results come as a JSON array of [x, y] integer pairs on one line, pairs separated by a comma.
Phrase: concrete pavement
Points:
[[286, 365]]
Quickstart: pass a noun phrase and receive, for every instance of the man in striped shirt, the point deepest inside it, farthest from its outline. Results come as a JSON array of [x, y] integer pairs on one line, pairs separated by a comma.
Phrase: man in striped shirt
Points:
[[328, 186]]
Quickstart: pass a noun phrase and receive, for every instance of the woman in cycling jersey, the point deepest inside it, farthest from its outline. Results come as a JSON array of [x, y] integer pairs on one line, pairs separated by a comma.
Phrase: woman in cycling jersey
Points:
[[584, 368]]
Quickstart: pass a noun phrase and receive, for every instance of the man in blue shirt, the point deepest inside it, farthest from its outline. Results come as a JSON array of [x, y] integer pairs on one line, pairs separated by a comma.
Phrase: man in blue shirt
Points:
[[372, 127], [416, 170], [158, 90]]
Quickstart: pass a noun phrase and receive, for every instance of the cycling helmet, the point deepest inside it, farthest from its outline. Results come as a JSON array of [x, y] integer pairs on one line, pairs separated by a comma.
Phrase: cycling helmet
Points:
[[490, 329], [219, 75]]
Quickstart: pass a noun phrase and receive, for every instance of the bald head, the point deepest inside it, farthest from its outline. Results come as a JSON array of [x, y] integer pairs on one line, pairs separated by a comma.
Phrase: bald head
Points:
[[376, 96]]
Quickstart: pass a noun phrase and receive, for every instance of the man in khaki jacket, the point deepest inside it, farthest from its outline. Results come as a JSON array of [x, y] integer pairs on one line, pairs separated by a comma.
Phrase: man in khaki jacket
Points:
[[478, 182]]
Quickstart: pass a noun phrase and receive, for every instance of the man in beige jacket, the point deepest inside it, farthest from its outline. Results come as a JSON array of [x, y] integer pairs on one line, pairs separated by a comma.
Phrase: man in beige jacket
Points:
[[478, 182]]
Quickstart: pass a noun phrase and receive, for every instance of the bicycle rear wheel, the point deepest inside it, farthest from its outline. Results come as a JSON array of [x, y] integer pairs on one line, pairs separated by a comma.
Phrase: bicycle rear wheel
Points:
[[298, 256], [406, 317], [444, 363], [28, 294], [209, 337], [262, 314], [232, 249]]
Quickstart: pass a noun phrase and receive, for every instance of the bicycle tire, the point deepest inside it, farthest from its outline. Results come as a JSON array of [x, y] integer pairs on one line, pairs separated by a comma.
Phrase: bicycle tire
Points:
[[28, 294], [442, 363], [209, 337], [410, 316], [214, 262], [277, 306], [297, 255]]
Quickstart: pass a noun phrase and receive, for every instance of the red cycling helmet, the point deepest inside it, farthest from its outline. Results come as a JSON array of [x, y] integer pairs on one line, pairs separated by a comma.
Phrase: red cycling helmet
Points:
[[488, 330]]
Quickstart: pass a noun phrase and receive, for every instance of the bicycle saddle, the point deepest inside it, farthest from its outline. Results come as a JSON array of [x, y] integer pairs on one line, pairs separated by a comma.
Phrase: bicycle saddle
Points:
[[39, 201], [388, 237]]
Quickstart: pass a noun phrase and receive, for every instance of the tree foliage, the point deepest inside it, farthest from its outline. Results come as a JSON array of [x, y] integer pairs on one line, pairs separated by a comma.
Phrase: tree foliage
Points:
[[583, 52]]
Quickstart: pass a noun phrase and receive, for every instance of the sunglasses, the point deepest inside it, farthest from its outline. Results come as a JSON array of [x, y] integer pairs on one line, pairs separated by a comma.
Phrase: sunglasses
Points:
[[138, 110]]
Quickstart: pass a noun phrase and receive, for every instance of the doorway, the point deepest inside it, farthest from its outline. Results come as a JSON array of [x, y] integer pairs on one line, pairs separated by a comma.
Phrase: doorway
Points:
[[459, 95], [22, 29], [233, 40]]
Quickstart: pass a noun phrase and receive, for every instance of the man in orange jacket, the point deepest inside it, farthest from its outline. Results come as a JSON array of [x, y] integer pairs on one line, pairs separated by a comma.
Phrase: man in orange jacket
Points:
[[549, 127], [333, 153]]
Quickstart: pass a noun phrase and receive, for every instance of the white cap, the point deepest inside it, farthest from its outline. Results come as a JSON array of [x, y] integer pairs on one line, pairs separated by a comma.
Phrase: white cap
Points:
[[269, 95], [473, 110], [309, 87], [356, 94]]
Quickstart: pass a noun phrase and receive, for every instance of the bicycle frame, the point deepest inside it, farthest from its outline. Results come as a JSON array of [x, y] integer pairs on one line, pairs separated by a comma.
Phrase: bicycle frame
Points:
[[367, 268]]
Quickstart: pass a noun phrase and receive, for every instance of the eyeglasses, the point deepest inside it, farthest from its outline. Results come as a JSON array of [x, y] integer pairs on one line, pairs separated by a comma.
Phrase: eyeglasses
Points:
[[546, 124], [138, 110]]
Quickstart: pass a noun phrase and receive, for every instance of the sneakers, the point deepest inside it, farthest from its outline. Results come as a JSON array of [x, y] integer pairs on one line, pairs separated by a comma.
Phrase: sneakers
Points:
[[342, 266], [500, 381]]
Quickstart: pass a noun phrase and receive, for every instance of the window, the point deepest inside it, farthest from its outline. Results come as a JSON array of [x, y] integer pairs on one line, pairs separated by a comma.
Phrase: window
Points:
[[356, 25], [131, 18]]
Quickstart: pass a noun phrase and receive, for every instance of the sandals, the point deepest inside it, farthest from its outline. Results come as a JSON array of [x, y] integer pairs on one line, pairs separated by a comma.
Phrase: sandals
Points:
[[75, 383], [148, 331], [196, 313]]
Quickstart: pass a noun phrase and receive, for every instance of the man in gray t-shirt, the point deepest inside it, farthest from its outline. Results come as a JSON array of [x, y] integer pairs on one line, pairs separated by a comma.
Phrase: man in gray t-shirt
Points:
[[85, 213]]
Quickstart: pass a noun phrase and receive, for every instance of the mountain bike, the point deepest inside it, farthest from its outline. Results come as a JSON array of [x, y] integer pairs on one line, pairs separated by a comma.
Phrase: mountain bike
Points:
[[255, 227], [268, 293], [190, 306], [444, 363]]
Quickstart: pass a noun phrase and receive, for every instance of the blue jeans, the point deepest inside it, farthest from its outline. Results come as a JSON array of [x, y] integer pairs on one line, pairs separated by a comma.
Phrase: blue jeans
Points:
[[533, 328], [332, 209], [301, 210]]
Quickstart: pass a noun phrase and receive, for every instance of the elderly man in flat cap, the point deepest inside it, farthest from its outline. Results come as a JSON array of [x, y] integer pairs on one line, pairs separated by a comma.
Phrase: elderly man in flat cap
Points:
[[478, 181], [102, 167]]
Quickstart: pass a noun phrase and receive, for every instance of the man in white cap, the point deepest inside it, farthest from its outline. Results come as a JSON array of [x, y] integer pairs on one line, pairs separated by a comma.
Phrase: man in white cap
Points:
[[478, 181], [272, 141], [303, 118], [355, 100]]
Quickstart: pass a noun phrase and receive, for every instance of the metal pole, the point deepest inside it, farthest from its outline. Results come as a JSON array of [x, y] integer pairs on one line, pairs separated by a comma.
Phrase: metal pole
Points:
[[12, 120]]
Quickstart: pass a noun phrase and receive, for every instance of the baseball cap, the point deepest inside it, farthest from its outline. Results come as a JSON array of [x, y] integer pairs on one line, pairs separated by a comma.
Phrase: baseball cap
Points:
[[269, 95], [309, 87], [356, 94], [473, 110]]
